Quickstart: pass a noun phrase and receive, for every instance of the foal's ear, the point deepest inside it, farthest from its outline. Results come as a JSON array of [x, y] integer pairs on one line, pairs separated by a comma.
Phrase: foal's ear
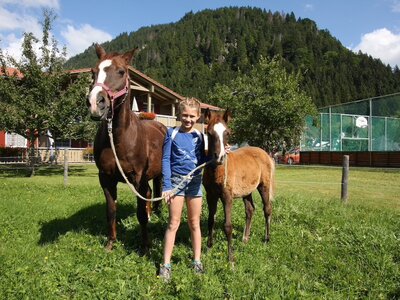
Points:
[[227, 116], [129, 55], [207, 115], [100, 51]]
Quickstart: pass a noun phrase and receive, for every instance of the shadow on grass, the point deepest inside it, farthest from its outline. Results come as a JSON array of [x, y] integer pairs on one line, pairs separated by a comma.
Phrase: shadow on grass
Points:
[[21, 170], [92, 220]]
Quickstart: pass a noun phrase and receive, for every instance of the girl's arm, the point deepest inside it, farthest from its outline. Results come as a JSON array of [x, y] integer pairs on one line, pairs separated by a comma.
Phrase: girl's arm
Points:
[[166, 162]]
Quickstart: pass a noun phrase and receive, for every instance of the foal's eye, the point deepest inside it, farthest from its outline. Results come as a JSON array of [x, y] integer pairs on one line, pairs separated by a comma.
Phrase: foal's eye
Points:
[[121, 72]]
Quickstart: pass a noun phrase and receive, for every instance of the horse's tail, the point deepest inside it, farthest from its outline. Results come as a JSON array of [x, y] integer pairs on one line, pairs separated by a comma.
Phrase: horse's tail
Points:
[[271, 179]]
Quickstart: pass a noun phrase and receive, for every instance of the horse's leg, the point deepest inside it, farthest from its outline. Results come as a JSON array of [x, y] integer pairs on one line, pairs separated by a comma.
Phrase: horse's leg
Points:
[[227, 200], [212, 202], [249, 209], [141, 213], [109, 186], [157, 188], [263, 189], [149, 204]]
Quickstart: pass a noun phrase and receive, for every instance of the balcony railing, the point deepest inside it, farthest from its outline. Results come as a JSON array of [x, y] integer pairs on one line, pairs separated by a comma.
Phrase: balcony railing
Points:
[[169, 121]]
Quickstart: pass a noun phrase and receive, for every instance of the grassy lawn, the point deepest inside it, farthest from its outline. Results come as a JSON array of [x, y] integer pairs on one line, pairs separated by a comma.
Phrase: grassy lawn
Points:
[[52, 238]]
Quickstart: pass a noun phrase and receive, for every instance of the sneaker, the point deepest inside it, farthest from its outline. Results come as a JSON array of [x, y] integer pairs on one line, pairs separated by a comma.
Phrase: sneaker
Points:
[[198, 267], [165, 273]]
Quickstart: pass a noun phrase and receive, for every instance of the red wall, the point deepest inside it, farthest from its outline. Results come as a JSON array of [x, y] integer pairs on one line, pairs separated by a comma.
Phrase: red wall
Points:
[[2, 139]]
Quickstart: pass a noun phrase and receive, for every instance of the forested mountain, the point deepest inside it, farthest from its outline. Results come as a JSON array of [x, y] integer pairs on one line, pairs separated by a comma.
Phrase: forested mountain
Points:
[[212, 46]]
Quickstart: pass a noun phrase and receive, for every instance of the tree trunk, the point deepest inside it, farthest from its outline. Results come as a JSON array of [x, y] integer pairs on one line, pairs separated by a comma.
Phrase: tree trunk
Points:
[[65, 166], [31, 160]]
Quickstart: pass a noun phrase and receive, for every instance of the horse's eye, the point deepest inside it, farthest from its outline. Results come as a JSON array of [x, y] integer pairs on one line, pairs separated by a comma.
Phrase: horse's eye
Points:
[[121, 72]]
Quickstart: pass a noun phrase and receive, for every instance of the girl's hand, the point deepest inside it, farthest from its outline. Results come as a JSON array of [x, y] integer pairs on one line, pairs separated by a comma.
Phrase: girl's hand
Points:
[[168, 196], [227, 148]]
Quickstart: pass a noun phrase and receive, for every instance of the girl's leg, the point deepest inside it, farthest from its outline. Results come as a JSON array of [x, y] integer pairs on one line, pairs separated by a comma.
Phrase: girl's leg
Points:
[[175, 212], [194, 212]]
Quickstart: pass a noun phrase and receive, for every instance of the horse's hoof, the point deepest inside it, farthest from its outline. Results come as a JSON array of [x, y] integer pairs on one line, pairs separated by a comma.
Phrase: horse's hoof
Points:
[[232, 264], [109, 247], [267, 239], [245, 240]]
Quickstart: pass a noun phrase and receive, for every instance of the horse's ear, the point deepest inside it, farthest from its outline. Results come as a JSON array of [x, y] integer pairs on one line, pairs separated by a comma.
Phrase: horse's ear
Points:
[[227, 115], [100, 51], [129, 55], [207, 115]]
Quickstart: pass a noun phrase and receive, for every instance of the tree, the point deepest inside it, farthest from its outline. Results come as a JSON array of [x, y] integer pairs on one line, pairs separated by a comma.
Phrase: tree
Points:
[[45, 97], [269, 108]]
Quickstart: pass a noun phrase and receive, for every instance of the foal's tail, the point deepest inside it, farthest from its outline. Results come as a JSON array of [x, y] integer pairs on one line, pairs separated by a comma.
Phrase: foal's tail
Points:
[[271, 179]]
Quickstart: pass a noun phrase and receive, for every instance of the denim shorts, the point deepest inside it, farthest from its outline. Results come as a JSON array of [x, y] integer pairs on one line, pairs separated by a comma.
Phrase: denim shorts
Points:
[[191, 188]]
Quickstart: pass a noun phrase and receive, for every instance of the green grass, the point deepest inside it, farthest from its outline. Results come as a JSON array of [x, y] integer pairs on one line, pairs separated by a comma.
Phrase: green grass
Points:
[[52, 238]]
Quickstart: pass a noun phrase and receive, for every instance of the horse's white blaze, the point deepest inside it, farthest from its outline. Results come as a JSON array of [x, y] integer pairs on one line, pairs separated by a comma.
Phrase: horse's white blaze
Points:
[[219, 128], [97, 89]]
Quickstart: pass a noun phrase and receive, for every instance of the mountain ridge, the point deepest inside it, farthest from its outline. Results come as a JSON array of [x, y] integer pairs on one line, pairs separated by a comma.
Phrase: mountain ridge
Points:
[[202, 49]]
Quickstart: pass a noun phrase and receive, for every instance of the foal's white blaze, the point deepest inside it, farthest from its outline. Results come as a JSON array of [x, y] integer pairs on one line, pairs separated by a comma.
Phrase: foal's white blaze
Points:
[[97, 89], [219, 128]]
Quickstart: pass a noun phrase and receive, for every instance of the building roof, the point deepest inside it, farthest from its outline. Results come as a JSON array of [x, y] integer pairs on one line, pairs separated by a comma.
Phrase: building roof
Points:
[[11, 72], [153, 82]]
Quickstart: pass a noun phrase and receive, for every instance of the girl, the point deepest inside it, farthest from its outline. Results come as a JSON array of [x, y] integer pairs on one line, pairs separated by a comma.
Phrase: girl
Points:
[[183, 152]]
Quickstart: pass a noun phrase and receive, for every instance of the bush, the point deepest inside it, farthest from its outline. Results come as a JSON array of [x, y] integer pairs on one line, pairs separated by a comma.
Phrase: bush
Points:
[[12, 152]]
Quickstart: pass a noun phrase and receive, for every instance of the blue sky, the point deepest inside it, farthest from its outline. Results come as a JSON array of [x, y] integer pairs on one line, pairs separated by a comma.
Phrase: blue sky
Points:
[[372, 26]]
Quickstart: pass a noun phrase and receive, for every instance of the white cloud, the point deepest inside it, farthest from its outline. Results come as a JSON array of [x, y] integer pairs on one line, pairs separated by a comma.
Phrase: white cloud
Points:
[[17, 17], [78, 39], [33, 3], [13, 46], [396, 6], [309, 6], [383, 44], [17, 21]]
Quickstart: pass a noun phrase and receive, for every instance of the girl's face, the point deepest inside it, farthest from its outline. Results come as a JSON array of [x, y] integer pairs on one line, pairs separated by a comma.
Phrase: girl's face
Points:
[[189, 117]]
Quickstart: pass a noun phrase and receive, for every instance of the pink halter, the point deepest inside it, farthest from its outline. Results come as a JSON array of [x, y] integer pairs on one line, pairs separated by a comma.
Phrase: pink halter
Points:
[[114, 95]]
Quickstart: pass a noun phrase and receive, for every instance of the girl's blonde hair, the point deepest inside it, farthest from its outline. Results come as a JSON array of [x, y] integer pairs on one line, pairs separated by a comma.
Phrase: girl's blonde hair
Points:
[[191, 103]]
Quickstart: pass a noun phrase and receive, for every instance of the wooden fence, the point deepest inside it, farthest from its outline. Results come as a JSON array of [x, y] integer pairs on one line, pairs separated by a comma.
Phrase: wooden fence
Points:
[[54, 156]]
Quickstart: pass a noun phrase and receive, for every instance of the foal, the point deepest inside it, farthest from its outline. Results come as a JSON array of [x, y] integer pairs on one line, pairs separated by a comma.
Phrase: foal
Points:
[[235, 174]]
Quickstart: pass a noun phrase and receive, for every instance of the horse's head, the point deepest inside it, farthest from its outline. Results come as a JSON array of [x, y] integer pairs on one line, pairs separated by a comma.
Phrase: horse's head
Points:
[[111, 83], [218, 133]]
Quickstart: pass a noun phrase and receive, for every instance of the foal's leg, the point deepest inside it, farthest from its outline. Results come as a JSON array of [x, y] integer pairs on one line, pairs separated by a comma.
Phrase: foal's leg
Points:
[[227, 200], [109, 186], [249, 209], [212, 202], [267, 206]]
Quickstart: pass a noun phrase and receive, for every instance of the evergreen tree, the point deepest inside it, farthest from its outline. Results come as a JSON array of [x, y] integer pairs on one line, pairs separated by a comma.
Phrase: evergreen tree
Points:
[[231, 40]]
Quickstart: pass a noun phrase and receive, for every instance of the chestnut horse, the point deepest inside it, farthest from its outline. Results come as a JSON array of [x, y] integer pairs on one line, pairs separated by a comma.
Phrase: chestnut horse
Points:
[[235, 174], [138, 143]]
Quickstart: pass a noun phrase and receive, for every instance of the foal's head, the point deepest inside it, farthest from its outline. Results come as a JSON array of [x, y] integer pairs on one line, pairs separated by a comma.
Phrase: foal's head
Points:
[[218, 133], [111, 83]]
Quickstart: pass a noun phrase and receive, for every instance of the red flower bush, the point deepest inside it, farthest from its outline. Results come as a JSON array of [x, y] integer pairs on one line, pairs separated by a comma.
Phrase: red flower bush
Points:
[[147, 115]]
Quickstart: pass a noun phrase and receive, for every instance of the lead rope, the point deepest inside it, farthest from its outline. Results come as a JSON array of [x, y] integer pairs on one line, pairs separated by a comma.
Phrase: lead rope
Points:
[[226, 170], [188, 177]]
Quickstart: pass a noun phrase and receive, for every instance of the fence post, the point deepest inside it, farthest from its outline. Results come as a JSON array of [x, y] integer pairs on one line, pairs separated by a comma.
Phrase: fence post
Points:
[[345, 178], [65, 166]]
